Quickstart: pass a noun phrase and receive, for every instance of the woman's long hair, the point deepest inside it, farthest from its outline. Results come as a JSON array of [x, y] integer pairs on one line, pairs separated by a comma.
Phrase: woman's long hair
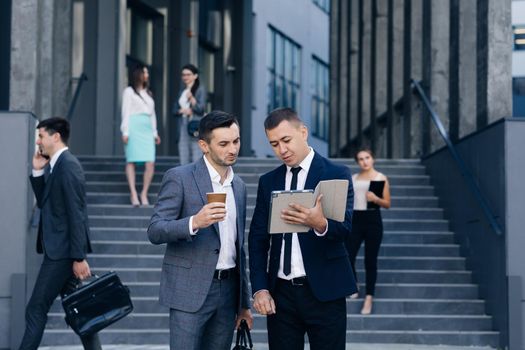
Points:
[[197, 82], [135, 75]]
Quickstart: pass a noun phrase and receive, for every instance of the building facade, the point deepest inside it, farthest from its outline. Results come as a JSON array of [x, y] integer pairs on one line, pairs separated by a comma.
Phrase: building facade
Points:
[[51, 44], [291, 66], [460, 51]]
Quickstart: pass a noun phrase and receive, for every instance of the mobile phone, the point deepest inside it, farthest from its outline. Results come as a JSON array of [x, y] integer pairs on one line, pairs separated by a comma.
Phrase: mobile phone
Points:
[[43, 155]]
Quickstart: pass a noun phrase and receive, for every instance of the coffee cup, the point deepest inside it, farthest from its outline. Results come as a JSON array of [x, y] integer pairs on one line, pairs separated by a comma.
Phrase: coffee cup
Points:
[[214, 197]]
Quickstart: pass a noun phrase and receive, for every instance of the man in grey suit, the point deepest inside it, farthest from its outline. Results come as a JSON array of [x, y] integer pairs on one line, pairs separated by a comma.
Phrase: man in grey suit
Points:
[[204, 280], [63, 233]]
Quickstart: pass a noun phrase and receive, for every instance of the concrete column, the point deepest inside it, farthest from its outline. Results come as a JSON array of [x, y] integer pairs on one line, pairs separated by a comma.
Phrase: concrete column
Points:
[[494, 49], [397, 75], [44, 93], [354, 65], [381, 56], [107, 116], [416, 72], [467, 68], [365, 53], [439, 75], [335, 97], [340, 120], [24, 48], [61, 65], [40, 59]]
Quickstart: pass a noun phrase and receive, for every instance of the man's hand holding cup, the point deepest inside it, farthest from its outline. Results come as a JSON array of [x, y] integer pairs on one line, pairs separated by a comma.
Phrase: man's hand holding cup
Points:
[[211, 213]]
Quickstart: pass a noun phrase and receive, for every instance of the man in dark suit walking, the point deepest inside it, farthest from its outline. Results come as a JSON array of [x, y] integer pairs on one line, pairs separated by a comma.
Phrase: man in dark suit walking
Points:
[[63, 232], [300, 280], [204, 280]]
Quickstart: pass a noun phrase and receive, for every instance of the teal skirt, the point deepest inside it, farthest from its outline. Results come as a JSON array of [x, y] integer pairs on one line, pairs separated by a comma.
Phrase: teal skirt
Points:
[[141, 143]]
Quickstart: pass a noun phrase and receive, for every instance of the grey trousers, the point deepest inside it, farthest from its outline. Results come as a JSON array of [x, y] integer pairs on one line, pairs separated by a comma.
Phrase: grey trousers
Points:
[[189, 150], [212, 326]]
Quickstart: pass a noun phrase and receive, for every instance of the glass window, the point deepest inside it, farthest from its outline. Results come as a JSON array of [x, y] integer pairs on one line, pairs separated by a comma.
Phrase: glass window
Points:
[[518, 96], [519, 37], [283, 71], [323, 5], [320, 98]]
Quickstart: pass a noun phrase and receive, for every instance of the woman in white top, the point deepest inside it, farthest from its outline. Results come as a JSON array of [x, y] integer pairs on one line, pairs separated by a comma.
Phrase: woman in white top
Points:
[[139, 131], [189, 106], [371, 192]]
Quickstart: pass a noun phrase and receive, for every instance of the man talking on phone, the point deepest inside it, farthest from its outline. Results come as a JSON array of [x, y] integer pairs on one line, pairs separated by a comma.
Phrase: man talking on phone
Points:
[[63, 232]]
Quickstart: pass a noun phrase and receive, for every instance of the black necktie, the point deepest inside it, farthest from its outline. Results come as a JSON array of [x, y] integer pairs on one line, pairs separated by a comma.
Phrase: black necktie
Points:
[[287, 265]]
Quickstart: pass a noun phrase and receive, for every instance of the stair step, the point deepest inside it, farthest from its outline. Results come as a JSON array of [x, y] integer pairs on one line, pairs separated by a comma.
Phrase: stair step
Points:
[[161, 336], [249, 178], [399, 237], [122, 187], [255, 167], [381, 306], [137, 320], [386, 262]]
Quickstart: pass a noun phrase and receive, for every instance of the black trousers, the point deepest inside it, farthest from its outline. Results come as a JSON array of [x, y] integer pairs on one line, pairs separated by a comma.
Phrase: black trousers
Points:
[[299, 312], [52, 278], [367, 226]]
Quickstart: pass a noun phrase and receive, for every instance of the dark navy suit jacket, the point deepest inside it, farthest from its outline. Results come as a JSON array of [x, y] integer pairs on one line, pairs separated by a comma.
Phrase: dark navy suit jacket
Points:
[[63, 232], [325, 258]]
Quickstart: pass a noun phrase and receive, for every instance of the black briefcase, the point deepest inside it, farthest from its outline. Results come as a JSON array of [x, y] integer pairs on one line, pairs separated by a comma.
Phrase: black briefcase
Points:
[[96, 305]]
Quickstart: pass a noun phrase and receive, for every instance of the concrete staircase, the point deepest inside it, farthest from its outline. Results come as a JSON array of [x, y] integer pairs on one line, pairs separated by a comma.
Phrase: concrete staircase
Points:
[[425, 294]]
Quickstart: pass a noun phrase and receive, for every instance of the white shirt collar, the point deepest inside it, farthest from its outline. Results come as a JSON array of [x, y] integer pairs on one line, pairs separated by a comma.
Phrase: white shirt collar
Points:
[[215, 176], [57, 154], [306, 163]]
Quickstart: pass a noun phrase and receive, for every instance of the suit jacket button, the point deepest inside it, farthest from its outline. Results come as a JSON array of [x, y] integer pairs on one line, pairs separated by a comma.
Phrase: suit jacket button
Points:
[[216, 251]]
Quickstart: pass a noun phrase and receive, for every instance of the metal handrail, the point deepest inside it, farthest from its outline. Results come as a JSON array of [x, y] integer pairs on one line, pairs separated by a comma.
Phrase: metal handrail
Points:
[[459, 161], [73, 103]]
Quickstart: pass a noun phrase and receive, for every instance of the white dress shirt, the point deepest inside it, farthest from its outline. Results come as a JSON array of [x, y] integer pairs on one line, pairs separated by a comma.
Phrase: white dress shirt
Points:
[[227, 227], [52, 162], [184, 101], [297, 266], [134, 104]]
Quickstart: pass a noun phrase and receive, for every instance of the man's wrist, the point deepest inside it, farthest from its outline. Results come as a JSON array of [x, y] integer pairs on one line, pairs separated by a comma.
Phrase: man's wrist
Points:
[[79, 260]]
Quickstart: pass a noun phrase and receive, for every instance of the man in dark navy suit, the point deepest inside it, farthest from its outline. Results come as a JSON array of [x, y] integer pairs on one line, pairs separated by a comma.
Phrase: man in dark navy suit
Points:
[[300, 280], [63, 233]]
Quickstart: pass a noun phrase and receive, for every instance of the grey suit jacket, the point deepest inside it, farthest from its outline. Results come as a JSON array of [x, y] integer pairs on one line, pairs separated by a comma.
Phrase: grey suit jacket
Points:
[[190, 261], [63, 232]]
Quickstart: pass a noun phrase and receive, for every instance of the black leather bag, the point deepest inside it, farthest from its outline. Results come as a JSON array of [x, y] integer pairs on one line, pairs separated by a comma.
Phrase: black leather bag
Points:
[[244, 339], [96, 305], [193, 126]]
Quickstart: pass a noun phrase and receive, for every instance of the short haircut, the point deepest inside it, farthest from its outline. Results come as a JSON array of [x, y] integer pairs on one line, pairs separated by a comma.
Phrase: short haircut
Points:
[[279, 115], [364, 149], [214, 120], [56, 124]]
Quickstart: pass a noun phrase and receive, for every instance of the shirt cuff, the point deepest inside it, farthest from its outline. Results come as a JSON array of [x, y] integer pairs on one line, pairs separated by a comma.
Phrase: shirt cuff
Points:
[[37, 173], [260, 290], [192, 233], [325, 231]]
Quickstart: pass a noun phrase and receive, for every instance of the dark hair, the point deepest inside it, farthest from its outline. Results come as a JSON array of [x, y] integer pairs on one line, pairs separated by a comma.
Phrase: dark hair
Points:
[[194, 70], [134, 77], [214, 120], [364, 149], [56, 124], [279, 115]]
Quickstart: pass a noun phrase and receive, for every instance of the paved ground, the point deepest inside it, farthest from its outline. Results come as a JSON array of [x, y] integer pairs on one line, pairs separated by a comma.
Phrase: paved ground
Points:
[[265, 347]]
